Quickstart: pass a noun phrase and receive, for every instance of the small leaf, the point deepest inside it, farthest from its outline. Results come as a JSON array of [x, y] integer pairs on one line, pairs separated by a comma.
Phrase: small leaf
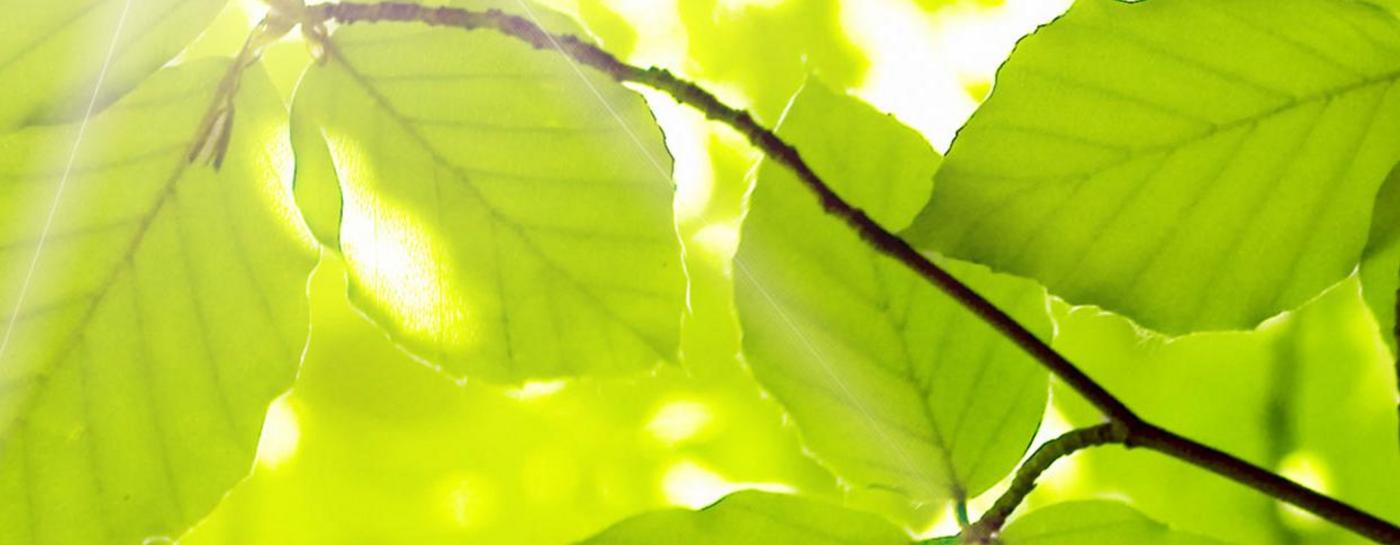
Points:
[[1093, 523], [754, 518], [892, 384], [53, 52], [505, 215], [1191, 165], [165, 312]]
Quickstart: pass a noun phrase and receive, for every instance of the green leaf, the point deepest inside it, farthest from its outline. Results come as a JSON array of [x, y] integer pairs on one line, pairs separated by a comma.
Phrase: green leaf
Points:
[[1380, 267], [1093, 523], [1380, 264], [1311, 395], [1191, 165], [165, 312], [53, 52], [892, 384], [766, 49], [506, 214], [754, 518], [377, 448]]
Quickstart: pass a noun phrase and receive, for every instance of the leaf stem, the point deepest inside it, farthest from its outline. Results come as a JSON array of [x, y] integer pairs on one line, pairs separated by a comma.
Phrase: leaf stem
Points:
[[1123, 425]]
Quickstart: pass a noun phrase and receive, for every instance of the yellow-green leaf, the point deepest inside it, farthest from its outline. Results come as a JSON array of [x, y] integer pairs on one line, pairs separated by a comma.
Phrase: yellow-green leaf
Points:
[[754, 518], [506, 214], [892, 384], [1093, 523], [1191, 165], [53, 52], [165, 311]]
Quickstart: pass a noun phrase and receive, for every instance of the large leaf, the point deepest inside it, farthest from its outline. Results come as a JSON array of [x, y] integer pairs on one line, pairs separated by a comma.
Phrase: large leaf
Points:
[[754, 518], [52, 53], [505, 214], [1192, 165], [376, 448], [1311, 395], [165, 311], [892, 384], [1093, 523]]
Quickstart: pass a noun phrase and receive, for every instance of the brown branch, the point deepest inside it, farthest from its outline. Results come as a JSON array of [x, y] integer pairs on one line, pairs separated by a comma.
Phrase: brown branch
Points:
[[986, 528], [1124, 426]]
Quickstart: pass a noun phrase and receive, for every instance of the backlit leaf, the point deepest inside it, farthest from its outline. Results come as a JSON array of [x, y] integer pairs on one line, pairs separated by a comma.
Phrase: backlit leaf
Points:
[[754, 518], [52, 52], [1380, 265], [1311, 395], [505, 213], [165, 311], [1192, 165], [892, 384], [1093, 523]]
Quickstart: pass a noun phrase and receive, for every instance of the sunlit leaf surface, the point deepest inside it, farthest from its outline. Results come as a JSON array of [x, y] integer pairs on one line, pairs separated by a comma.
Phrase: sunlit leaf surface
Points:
[[505, 214], [892, 384], [754, 518], [1312, 396], [1380, 265], [1192, 165], [1093, 523], [165, 311], [52, 52], [380, 449], [767, 48]]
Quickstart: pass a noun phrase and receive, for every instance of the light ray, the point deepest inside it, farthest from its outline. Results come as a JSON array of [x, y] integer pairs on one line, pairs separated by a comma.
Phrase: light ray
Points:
[[63, 182]]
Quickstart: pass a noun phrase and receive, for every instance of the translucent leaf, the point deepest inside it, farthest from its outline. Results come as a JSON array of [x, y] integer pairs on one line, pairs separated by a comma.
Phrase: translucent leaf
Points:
[[1093, 523], [52, 52], [1191, 165], [892, 384], [754, 518], [766, 49], [505, 215], [1311, 395], [379, 449], [1380, 265], [165, 311]]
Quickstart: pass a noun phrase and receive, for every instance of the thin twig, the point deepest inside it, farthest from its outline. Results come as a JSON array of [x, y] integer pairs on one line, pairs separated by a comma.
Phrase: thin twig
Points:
[[1021, 485], [1124, 425]]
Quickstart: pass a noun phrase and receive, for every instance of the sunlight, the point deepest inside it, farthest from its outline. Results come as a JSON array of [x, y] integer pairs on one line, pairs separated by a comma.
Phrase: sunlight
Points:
[[280, 435], [687, 140], [466, 501], [1308, 469], [679, 420], [274, 181], [536, 389], [395, 256], [925, 67], [692, 485]]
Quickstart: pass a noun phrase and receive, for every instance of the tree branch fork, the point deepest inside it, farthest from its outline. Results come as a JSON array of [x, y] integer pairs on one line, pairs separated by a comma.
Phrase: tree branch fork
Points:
[[1122, 426]]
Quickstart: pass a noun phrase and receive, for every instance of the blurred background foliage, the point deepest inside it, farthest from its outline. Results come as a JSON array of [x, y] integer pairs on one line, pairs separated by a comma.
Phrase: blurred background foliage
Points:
[[373, 447]]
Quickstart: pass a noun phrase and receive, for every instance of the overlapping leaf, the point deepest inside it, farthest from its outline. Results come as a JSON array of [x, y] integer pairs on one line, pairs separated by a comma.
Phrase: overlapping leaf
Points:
[[1093, 523], [1380, 265], [376, 448], [165, 311], [1311, 395], [893, 385], [53, 52], [754, 518], [505, 214], [1192, 165]]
